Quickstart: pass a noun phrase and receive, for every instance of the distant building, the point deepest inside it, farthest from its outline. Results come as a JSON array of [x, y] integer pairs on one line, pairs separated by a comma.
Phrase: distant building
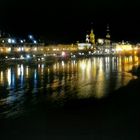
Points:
[[100, 41], [84, 46], [107, 40], [87, 38], [92, 37]]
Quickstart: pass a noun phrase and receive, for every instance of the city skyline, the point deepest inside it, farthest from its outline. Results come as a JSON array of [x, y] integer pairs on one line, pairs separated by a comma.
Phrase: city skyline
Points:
[[69, 22], [69, 69], [42, 39]]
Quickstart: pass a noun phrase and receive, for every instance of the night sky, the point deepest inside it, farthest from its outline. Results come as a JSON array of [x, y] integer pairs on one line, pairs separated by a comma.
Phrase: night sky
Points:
[[70, 20]]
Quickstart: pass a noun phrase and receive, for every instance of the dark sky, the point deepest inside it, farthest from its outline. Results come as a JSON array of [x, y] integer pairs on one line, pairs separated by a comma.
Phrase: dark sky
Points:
[[70, 20]]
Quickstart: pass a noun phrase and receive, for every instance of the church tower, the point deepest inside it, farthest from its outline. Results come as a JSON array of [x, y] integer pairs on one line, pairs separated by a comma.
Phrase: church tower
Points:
[[92, 37], [107, 40], [87, 38]]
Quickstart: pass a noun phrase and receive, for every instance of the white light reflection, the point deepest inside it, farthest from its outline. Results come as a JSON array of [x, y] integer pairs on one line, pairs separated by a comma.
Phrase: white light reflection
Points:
[[35, 74], [35, 80], [42, 68], [22, 74], [63, 64], [83, 65], [9, 76]]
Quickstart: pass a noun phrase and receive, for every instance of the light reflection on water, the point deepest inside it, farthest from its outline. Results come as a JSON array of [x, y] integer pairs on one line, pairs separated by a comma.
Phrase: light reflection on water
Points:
[[96, 77]]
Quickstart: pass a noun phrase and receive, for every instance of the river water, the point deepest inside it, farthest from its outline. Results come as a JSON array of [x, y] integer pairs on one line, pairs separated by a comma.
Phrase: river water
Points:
[[24, 85]]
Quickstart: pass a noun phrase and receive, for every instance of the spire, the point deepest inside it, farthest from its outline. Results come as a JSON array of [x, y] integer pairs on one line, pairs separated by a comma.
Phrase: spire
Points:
[[107, 32], [91, 31], [87, 38], [92, 37], [107, 29]]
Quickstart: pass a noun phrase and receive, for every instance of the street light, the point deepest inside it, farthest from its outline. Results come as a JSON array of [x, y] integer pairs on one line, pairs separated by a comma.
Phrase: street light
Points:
[[30, 37], [13, 41], [9, 40]]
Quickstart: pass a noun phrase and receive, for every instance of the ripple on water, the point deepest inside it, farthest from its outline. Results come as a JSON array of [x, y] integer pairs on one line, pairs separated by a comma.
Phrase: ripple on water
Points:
[[24, 86]]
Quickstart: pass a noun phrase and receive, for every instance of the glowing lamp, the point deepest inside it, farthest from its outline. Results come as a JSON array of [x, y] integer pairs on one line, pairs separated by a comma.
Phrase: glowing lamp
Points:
[[63, 54]]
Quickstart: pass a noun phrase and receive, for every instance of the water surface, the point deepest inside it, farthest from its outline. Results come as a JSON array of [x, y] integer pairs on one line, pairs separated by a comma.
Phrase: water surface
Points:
[[23, 85]]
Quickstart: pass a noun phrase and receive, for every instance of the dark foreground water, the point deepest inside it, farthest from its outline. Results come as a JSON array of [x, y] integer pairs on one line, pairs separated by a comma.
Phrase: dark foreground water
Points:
[[69, 100]]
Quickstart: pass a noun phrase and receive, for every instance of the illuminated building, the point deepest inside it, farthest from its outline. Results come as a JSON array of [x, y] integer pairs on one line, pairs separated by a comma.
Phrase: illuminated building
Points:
[[87, 38], [107, 40], [108, 46], [100, 41], [84, 46], [92, 37], [89, 44], [124, 48], [22, 49]]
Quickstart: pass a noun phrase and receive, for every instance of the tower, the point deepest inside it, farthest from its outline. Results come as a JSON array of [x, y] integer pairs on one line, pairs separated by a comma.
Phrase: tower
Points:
[[107, 40], [92, 37], [87, 38], [108, 47]]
